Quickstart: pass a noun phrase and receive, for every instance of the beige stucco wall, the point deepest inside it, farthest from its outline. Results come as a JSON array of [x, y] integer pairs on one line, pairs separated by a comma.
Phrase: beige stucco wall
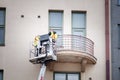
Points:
[[21, 31]]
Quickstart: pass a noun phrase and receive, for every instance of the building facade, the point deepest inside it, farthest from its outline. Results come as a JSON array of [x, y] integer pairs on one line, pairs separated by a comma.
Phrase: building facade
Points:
[[81, 42], [115, 37]]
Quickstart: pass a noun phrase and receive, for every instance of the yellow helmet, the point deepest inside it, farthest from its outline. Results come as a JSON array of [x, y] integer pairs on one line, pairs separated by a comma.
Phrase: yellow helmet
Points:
[[54, 35], [36, 40]]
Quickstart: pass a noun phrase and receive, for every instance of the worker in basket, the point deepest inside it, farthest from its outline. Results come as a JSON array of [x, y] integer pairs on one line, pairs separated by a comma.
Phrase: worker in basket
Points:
[[40, 40], [53, 35], [36, 44]]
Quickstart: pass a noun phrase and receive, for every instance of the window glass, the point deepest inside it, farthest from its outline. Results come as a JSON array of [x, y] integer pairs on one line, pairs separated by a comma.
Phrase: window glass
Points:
[[73, 77], [78, 20], [79, 32], [79, 23], [1, 75], [118, 2], [1, 35], [67, 76], [59, 76], [118, 35], [2, 26], [56, 21], [2, 14]]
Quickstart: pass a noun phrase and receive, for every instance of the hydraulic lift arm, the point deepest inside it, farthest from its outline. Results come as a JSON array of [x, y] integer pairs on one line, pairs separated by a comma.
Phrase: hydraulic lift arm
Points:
[[42, 72]]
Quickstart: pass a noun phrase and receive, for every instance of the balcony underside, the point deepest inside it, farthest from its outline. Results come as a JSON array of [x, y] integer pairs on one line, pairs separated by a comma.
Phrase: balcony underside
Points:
[[75, 57], [68, 56]]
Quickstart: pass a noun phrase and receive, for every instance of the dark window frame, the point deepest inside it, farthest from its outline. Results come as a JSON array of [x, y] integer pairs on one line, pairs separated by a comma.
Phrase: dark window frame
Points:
[[67, 74], [2, 71], [3, 26]]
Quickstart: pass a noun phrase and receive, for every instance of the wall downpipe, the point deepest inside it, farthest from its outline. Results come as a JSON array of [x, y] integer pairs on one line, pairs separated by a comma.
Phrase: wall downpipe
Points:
[[107, 36]]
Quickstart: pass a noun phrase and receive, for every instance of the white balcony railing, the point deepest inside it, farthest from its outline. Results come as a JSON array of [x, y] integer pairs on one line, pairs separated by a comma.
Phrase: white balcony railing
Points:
[[75, 43]]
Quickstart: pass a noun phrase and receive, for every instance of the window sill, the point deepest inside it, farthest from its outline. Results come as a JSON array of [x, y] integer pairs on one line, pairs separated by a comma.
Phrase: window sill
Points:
[[118, 5], [2, 45]]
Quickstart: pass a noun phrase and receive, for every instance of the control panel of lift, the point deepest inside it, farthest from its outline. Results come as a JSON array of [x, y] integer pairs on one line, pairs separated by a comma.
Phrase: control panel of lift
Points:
[[44, 48]]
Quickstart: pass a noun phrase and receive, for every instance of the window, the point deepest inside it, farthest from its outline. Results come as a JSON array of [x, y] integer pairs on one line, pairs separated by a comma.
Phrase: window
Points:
[[118, 2], [66, 76], [56, 21], [1, 74], [78, 28], [119, 36], [79, 23], [2, 26]]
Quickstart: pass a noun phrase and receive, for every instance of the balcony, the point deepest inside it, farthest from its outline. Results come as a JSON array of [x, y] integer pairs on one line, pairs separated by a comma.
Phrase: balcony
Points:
[[75, 49]]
